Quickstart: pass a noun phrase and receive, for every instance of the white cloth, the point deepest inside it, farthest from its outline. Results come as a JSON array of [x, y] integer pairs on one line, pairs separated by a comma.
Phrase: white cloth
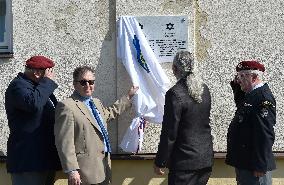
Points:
[[150, 99], [134, 136]]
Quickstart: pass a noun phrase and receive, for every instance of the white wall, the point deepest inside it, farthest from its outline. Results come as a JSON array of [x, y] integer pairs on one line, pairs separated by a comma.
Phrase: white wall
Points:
[[74, 33]]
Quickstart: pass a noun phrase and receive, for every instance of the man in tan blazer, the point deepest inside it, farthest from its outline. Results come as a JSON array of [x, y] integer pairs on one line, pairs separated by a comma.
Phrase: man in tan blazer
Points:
[[80, 131]]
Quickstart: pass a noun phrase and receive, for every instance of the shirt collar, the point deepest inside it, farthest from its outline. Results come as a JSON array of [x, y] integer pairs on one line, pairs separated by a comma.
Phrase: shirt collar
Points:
[[257, 86], [82, 98]]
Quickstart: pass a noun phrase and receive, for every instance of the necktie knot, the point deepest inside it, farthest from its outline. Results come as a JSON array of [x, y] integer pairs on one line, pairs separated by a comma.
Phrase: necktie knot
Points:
[[91, 104]]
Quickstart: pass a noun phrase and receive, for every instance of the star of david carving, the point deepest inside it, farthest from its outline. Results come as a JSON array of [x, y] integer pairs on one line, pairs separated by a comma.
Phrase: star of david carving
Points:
[[170, 26]]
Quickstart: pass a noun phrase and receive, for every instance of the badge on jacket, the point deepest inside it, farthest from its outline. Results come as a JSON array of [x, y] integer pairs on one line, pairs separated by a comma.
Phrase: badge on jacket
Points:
[[265, 105], [264, 112]]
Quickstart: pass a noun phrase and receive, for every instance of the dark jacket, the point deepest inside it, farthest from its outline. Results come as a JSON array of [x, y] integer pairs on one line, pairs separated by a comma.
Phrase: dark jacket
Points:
[[185, 141], [30, 114], [251, 133]]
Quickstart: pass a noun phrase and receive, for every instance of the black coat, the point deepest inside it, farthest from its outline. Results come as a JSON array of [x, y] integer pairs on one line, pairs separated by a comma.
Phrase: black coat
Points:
[[185, 141], [30, 114], [251, 133]]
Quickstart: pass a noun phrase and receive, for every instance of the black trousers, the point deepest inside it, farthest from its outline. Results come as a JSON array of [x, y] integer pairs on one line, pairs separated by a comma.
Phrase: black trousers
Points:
[[33, 178], [189, 177]]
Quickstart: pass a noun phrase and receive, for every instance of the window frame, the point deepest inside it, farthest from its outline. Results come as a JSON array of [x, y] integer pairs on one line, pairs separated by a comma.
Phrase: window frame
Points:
[[6, 47]]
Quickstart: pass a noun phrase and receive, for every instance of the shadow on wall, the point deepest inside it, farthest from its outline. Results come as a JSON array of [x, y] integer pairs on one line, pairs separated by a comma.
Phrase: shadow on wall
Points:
[[108, 85], [4, 176], [139, 172], [106, 69], [124, 173]]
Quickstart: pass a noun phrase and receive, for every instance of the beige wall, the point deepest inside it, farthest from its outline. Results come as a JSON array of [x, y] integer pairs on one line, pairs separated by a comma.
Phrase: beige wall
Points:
[[73, 33], [224, 33], [140, 172]]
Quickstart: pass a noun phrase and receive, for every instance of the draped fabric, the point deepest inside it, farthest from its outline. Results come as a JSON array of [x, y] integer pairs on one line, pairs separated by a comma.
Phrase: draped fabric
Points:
[[145, 72]]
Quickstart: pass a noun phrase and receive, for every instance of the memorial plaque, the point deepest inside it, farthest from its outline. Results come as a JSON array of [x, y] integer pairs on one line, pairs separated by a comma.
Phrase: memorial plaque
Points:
[[165, 34]]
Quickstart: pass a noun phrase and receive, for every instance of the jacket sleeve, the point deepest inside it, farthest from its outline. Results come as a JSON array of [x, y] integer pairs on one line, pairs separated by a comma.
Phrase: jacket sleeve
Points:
[[263, 135], [171, 120], [32, 98], [64, 137], [116, 109]]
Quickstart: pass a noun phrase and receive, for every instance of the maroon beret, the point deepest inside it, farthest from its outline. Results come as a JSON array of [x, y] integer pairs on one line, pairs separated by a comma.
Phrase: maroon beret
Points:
[[250, 65], [39, 62]]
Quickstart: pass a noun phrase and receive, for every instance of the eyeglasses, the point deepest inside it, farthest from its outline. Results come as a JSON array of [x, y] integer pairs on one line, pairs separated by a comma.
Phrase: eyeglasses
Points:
[[84, 82]]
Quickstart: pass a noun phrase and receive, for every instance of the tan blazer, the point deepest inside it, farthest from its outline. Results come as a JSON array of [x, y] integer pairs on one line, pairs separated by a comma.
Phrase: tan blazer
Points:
[[78, 138]]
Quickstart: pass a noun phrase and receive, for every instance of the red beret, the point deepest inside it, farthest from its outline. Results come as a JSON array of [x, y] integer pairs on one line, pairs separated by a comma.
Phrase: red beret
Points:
[[39, 62], [250, 65]]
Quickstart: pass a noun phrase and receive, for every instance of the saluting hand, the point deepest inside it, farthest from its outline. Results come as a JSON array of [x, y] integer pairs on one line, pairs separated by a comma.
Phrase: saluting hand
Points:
[[49, 73]]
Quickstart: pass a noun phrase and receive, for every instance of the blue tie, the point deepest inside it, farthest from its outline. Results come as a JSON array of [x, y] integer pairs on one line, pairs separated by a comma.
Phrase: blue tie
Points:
[[100, 123]]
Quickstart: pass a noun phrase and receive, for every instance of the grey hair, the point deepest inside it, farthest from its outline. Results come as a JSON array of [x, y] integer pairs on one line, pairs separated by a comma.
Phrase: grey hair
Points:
[[186, 68], [258, 73]]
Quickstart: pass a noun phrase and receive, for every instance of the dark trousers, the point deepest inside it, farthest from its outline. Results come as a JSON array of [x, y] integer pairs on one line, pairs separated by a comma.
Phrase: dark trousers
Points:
[[246, 177], [189, 177], [33, 178]]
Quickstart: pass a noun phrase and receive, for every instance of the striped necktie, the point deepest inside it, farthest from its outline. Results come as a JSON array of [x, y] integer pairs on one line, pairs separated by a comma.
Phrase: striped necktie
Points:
[[100, 123]]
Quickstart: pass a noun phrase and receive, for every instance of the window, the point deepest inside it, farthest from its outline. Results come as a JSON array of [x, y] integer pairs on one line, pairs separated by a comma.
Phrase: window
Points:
[[5, 27]]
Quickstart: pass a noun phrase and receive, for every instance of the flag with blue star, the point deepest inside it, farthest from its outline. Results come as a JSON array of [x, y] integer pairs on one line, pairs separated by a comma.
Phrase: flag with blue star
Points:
[[140, 58], [145, 71]]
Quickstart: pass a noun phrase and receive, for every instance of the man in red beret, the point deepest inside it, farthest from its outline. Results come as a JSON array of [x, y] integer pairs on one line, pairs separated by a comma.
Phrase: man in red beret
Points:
[[251, 133], [32, 157]]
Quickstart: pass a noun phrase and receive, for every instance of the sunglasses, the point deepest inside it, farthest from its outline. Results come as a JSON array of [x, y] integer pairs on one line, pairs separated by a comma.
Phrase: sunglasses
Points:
[[84, 82]]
